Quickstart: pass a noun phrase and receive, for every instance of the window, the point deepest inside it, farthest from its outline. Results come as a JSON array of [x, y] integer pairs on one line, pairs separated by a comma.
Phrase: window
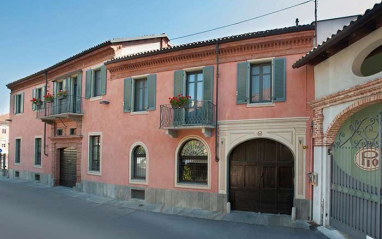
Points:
[[3, 145], [138, 194], [141, 95], [37, 151], [97, 83], [60, 132], [18, 103], [3, 130], [195, 85], [260, 83], [37, 177], [94, 153], [193, 163], [73, 131], [138, 164], [17, 150]]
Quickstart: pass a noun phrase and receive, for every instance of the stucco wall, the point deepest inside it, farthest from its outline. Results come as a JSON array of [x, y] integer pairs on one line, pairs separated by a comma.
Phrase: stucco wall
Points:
[[335, 73]]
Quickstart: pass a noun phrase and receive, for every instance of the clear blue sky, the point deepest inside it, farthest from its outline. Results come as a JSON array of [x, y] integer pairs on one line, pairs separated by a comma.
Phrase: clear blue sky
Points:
[[37, 34]]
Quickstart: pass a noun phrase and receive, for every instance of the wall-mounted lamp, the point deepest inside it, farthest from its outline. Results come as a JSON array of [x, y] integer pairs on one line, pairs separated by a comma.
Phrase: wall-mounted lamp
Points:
[[104, 102]]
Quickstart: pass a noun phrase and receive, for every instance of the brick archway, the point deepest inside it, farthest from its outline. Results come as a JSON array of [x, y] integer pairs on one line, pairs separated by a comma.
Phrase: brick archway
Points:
[[337, 122]]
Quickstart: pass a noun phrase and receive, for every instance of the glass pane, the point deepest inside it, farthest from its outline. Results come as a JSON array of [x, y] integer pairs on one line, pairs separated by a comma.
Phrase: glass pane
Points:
[[255, 70], [266, 69], [97, 83], [199, 92], [193, 171], [191, 90], [194, 148], [267, 87], [255, 89]]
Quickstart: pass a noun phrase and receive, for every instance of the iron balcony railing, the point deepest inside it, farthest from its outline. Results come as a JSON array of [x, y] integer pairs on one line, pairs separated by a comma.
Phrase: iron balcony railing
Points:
[[196, 113], [60, 105]]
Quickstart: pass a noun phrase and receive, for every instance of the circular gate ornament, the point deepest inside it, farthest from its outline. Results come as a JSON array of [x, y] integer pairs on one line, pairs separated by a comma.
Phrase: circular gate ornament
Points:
[[367, 159]]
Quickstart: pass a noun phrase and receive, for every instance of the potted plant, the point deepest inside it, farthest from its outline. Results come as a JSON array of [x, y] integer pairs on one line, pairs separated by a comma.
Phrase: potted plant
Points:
[[37, 102], [180, 101], [62, 94], [49, 98]]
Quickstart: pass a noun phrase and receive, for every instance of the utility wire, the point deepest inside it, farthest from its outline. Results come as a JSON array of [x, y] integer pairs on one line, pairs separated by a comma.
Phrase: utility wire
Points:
[[247, 20]]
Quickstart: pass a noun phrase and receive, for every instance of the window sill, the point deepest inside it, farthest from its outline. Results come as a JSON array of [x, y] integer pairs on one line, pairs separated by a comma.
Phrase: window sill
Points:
[[139, 113], [95, 173], [17, 164], [193, 186], [37, 166], [96, 98], [138, 181], [18, 114], [256, 105]]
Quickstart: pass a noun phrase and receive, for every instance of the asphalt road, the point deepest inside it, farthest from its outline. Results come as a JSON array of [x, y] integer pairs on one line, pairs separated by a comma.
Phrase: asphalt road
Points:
[[39, 213]]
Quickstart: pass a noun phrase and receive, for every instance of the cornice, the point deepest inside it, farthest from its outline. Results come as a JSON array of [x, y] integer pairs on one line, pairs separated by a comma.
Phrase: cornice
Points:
[[293, 43]]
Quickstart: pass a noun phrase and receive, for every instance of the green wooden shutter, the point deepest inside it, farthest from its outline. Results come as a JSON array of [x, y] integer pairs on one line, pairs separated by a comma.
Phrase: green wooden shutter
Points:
[[43, 93], [33, 96], [127, 88], [79, 93], [67, 87], [103, 79], [88, 84], [15, 104], [22, 103], [242, 83], [178, 82], [151, 85], [279, 83], [208, 82], [54, 103]]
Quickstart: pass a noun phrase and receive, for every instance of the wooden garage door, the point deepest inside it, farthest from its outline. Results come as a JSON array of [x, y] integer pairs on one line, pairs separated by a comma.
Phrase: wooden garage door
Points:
[[261, 177], [68, 167]]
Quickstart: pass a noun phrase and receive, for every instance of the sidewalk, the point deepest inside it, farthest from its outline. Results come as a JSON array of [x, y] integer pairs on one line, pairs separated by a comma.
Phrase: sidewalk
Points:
[[235, 216]]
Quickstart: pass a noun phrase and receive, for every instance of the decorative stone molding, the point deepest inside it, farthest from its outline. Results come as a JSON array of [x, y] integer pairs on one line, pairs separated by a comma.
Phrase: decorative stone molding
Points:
[[366, 94]]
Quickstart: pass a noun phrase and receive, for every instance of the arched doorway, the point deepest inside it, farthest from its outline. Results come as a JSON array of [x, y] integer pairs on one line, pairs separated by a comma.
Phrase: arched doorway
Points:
[[261, 177]]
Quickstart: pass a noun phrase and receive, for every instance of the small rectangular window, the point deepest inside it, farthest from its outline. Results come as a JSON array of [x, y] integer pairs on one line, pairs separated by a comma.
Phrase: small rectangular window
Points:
[[60, 132], [138, 194], [37, 154], [37, 177], [94, 153], [141, 95], [73, 131], [18, 103], [261, 83], [97, 83], [17, 150], [17, 174]]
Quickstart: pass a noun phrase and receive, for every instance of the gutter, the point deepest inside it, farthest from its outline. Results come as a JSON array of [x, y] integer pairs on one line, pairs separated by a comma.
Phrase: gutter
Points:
[[217, 103], [46, 90]]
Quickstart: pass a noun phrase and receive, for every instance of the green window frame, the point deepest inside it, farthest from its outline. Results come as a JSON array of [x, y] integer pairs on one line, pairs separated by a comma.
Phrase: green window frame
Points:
[[18, 103], [18, 151], [37, 152], [95, 153], [96, 83], [260, 83], [140, 95]]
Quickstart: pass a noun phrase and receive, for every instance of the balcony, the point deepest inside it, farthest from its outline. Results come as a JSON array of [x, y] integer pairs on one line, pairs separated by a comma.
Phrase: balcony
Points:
[[69, 107], [197, 115]]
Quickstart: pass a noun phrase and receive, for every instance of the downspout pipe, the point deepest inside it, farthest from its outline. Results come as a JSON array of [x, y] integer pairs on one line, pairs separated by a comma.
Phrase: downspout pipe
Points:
[[46, 87], [217, 103]]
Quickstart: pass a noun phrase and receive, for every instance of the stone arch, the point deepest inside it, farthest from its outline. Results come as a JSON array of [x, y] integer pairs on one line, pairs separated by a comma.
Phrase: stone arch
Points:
[[337, 122]]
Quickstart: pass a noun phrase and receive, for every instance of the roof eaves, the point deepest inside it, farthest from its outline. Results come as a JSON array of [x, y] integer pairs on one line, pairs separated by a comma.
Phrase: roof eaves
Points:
[[214, 41], [341, 34]]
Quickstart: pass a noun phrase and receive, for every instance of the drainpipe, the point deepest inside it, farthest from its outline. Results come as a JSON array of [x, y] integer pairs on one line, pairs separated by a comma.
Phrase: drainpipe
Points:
[[46, 89], [217, 103]]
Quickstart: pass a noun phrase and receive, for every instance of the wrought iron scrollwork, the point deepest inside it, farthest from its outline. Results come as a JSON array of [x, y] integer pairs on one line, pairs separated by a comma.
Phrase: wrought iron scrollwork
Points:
[[363, 133]]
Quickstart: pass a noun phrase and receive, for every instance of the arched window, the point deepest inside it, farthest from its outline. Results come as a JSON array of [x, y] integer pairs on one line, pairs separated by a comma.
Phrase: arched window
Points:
[[138, 164], [193, 163]]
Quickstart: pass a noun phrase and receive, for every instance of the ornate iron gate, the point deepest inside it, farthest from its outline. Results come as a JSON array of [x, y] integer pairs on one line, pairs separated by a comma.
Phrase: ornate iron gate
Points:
[[356, 179]]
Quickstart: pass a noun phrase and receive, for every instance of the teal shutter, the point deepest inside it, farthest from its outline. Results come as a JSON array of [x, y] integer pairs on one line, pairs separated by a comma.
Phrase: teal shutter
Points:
[[151, 85], [242, 83], [127, 88], [279, 83], [178, 82], [66, 102], [208, 82], [15, 104], [55, 102], [33, 96], [103, 80], [88, 84], [79, 93], [43, 93], [22, 103]]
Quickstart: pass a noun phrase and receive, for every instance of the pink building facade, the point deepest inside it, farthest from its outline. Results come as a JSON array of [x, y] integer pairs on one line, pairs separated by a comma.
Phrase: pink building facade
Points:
[[241, 142]]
